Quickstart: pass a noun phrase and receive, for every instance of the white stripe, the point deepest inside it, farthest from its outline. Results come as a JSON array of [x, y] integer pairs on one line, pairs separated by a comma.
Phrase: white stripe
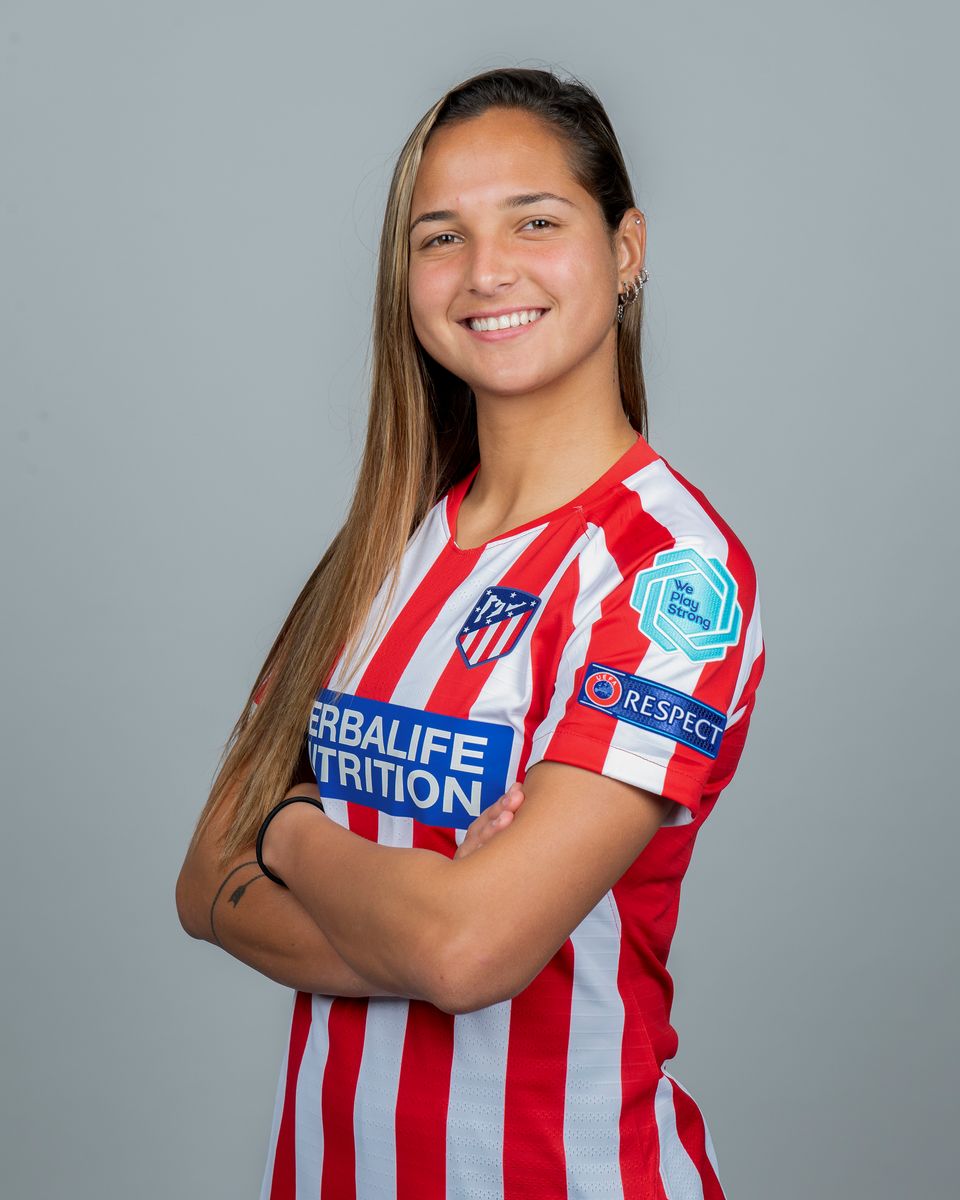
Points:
[[595, 581], [474, 1130], [473, 641], [481, 640], [707, 1139], [478, 1072], [378, 1079], [422, 550], [669, 503], [384, 1036], [678, 1173], [308, 1138], [478, 1075], [429, 659], [711, 1152], [752, 644], [636, 755], [594, 1086], [491, 638], [385, 1026], [425, 545], [507, 630], [378, 1085], [506, 695]]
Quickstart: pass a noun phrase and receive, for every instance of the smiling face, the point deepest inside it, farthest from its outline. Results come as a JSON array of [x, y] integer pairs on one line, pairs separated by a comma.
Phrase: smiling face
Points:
[[492, 242]]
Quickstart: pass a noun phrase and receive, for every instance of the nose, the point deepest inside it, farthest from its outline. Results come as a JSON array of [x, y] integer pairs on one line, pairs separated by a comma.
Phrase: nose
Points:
[[489, 266]]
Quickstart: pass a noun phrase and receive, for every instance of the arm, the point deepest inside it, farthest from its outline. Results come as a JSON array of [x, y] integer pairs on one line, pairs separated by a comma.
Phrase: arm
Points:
[[387, 910], [469, 933], [238, 909]]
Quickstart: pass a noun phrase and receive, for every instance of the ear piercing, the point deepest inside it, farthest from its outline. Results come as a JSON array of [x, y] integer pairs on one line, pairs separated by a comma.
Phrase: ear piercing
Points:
[[631, 291]]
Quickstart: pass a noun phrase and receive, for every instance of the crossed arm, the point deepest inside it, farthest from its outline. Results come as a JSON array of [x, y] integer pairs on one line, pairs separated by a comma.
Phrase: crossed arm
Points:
[[460, 933], [239, 909]]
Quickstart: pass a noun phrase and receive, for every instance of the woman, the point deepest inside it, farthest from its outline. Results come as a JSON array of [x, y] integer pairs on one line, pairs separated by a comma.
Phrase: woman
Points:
[[528, 593]]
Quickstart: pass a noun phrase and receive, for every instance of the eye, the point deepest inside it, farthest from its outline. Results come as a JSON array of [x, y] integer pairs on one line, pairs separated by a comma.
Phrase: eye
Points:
[[436, 240]]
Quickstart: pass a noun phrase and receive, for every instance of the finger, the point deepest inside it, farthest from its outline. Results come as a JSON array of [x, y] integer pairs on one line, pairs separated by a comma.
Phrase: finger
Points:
[[502, 818], [512, 798], [489, 822]]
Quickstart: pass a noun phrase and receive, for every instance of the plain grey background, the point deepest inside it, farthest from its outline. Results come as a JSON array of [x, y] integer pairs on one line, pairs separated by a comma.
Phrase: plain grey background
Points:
[[191, 204]]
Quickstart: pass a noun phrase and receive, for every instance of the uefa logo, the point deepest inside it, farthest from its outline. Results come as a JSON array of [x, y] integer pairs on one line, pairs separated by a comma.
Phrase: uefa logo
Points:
[[603, 688]]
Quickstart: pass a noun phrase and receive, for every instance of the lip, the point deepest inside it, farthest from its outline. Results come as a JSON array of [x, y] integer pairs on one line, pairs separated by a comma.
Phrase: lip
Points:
[[499, 335]]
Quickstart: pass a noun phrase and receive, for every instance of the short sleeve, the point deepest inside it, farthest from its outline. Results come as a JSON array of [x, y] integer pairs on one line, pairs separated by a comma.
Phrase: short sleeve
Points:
[[259, 694], [657, 668]]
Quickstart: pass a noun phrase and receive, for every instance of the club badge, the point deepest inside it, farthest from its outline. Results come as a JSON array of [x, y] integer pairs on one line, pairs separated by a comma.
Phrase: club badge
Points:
[[495, 624]]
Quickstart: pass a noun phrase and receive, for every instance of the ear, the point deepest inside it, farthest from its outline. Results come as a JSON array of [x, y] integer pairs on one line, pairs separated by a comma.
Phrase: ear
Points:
[[631, 244]]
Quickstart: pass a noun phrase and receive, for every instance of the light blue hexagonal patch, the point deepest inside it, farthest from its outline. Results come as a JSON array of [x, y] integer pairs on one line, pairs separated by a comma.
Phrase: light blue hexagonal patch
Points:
[[689, 603]]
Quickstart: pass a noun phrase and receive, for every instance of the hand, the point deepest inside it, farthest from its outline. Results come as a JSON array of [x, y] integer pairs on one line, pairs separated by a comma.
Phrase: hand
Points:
[[498, 816]]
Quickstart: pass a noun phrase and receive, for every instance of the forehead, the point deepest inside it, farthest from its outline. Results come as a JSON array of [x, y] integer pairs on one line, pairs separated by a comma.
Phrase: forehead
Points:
[[475, 161]]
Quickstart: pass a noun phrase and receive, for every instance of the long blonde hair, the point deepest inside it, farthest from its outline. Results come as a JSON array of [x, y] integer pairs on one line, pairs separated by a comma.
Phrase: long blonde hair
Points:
[[421, 438]]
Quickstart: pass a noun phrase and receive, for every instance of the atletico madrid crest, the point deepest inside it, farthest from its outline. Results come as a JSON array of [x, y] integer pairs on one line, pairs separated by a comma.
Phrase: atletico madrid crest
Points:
[[495, 624]]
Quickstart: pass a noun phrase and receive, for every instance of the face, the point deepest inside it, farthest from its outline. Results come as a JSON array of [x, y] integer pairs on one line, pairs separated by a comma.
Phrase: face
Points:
[[473, 254]]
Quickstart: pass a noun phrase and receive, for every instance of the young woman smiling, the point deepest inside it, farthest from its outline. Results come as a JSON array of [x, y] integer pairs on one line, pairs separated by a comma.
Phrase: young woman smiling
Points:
[[524, 593]]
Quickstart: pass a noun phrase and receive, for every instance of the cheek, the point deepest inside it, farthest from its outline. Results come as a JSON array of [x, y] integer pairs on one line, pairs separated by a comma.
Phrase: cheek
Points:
[[430, 292], [578, 280]]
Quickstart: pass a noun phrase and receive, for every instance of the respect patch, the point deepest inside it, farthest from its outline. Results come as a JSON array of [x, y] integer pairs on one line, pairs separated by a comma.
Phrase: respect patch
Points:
[[651, 705]]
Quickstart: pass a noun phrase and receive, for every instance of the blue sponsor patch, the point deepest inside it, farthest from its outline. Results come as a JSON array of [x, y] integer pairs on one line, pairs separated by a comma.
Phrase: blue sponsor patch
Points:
[[652, 706], [404, 761]]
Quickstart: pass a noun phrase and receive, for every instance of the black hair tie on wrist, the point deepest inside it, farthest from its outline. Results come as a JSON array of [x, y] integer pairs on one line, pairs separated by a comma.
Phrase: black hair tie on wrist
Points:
[[263, 829]]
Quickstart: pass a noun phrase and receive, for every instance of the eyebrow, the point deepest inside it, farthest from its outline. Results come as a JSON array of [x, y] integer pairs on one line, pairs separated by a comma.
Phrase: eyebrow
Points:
[[519, 201]]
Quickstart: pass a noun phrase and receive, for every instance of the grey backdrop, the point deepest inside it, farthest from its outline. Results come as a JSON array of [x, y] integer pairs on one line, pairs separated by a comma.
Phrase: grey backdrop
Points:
[[191, 201]]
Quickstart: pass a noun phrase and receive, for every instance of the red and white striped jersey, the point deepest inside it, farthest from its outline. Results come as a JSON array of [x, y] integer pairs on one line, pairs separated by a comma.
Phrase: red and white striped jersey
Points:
[[620, 633]]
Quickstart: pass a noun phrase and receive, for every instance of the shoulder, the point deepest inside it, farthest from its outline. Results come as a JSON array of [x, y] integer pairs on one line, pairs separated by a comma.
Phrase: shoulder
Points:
[[655, 519]]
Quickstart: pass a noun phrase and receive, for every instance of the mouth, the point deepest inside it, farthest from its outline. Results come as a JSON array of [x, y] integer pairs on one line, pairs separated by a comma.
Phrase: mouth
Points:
[[524, 321]]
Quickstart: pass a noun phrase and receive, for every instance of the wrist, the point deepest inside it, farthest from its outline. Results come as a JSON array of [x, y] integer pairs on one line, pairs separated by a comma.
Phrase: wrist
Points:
[[284, 833]]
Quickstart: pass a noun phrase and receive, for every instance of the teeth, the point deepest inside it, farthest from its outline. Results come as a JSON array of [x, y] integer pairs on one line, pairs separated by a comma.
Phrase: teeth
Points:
[[524, 317]]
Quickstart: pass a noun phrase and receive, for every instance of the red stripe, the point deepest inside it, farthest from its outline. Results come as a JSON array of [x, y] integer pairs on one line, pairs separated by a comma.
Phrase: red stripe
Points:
[[534, 1157], [448, 571], [423, 1095], [258, 694], [283, 1185], [345, 1023], [546, 637], [642, 981], [533, 1151], [425, 1075], [690, 1127], [537, 1048], [625, 525]]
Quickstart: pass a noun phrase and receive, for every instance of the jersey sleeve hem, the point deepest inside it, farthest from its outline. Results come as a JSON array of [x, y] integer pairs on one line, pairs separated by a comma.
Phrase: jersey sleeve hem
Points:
[[579, 750]]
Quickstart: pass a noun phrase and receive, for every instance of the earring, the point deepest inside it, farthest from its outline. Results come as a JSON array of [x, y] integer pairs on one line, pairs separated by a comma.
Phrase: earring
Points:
[[631, 292]]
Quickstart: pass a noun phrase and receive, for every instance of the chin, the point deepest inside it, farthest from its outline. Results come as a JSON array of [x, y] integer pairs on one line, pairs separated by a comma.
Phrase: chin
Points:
[[506, 387]]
